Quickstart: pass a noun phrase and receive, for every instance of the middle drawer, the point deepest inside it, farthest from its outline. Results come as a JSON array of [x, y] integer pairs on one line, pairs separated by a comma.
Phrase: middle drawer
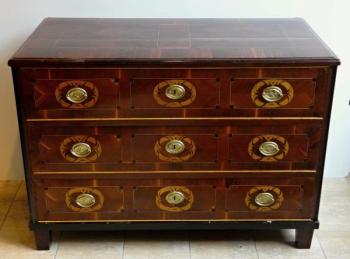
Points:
[[245, 146]]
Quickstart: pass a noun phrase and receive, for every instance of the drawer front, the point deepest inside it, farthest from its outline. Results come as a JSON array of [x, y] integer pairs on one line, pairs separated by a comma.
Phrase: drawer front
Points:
[[280, 91], [174, 198], [188, 147], [73, 199], [84, 199], [273, 93], [177, 198], [73, 93], [176, 92], [265, 148], [269, 198], [74, 148], [168, 93], [78, 94], [243, 145], [275, 146], [263, 198]]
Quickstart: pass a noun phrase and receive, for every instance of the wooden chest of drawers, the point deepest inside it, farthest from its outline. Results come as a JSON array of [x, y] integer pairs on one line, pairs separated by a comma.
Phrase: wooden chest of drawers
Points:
[[173, 124]]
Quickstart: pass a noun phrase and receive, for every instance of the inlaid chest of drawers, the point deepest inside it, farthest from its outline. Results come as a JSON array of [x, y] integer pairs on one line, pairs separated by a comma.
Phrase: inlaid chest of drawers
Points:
[[157, 124]]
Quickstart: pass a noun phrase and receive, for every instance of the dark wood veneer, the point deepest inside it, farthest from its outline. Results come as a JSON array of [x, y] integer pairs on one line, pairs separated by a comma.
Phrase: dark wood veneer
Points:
[[125, 93], [160, 41], [217, 148], [119, 62]]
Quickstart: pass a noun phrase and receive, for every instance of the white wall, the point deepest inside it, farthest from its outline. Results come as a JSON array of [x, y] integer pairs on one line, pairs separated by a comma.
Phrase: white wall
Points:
[[329, 18]]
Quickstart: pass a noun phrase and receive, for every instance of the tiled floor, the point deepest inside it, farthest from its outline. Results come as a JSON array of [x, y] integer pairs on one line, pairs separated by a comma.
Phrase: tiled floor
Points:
[[331, 241]]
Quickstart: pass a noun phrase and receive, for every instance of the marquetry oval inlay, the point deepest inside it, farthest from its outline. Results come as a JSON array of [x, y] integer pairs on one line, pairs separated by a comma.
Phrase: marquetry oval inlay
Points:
[[71, 147], [175, 148], [268, 148], [174, 93], [76, 94], [174, 198], [272, 93], [84, 199], [264, 198]]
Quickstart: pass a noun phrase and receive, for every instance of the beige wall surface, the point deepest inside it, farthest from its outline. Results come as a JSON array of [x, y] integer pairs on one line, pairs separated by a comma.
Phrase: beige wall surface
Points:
[[10, 153], [330, 19]]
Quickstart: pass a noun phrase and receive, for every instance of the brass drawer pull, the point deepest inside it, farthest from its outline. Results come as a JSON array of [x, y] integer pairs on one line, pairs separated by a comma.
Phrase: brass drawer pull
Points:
[[264, 199], [81, 150], [272, 93], [269, 148], [76, 95], [85, 200], [175, 91], [175, 197], [174, 147]]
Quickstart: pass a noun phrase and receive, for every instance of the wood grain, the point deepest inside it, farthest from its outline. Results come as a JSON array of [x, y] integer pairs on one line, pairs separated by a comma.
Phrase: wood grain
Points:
[[158, 41], [125, 66]]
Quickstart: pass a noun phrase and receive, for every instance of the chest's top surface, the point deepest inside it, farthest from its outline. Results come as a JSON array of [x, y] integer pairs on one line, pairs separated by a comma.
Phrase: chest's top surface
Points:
[[83, 40]]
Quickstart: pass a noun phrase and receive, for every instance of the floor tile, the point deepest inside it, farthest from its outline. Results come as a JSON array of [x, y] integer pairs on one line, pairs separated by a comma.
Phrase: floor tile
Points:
[[280, 244], [19, 243], [8, 190], [334, 209], [156, 244], [222, 244], [336, 185], [335, 244], [91, 245], [22, 192], [4, 207], [18, 215]]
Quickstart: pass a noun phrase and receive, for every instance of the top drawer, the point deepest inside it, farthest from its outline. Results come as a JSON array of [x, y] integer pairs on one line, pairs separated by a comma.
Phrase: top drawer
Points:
[[174, 92]]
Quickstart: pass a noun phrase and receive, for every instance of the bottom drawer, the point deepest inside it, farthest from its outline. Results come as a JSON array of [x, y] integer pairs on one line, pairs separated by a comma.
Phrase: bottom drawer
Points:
[[231, 198]]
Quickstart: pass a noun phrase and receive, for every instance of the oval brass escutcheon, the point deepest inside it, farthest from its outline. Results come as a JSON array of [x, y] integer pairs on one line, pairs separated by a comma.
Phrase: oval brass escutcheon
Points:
[[76, 95], [81, 149], [85, 200], [272, 93], [175, 197], [264, 199], [174, 146], [269, 148], [175, 91]]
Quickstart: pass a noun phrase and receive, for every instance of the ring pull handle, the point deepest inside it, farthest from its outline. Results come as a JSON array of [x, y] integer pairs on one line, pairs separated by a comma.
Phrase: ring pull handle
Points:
[[174, 147], [175, 91], [272, 93], [264, 199], [85, 200], [81, 149], [175, 197], [76, 95], [269, 148]]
